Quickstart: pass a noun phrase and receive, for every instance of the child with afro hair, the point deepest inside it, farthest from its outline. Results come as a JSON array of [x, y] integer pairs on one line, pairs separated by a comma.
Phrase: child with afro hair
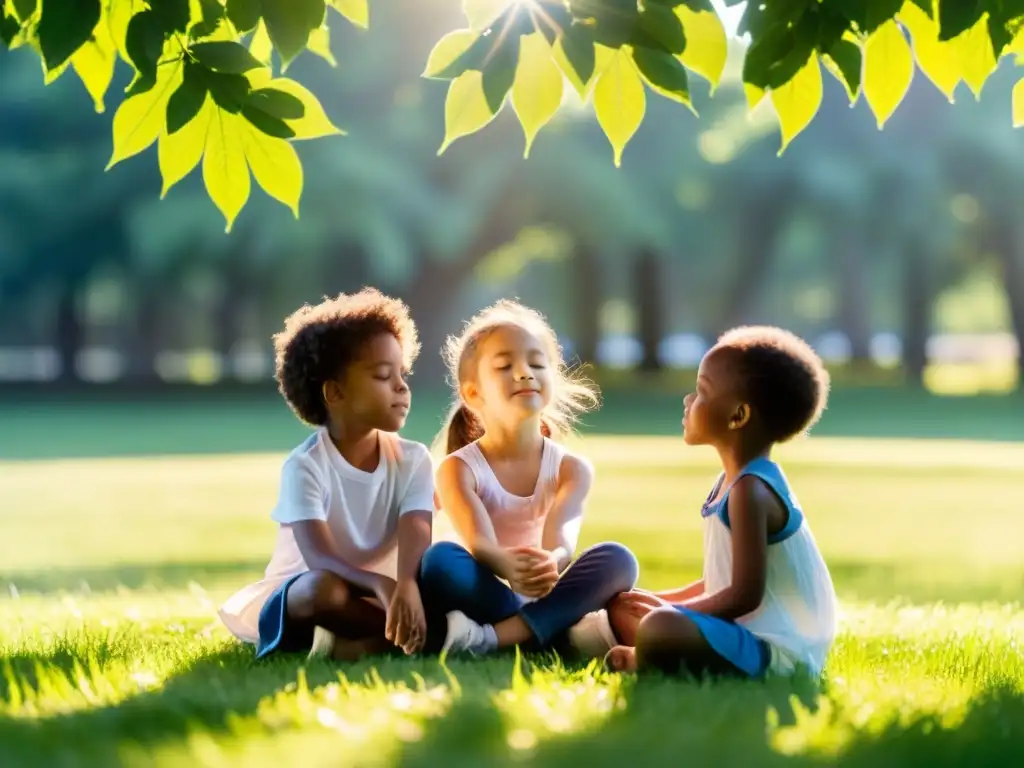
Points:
[[355, 504], [766, 602]]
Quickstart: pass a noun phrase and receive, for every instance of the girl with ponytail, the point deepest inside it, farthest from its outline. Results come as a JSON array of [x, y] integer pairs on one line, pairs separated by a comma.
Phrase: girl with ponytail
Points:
[[516, 496]]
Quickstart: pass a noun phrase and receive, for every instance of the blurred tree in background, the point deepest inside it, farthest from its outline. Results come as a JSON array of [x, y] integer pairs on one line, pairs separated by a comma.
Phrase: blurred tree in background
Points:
[[856, 235]]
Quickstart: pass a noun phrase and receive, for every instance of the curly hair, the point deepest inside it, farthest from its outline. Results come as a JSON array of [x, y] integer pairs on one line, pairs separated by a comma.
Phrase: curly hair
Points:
[[572, 394], [319, 342], [782, 376]]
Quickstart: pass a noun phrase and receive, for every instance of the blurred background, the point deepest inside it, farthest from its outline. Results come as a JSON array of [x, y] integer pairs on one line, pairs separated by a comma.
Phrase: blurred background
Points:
[[134, 324]]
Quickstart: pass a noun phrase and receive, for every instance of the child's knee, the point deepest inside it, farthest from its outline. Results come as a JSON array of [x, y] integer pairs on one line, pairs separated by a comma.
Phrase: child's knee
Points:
[[439, 563], [619, 563], [317, 593]]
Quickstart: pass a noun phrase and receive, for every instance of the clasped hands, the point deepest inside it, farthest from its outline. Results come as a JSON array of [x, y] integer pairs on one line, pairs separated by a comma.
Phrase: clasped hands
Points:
[[531, 571]]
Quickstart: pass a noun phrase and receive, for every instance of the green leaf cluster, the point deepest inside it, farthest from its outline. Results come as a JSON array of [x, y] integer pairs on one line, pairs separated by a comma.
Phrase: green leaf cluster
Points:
[[205, 88]]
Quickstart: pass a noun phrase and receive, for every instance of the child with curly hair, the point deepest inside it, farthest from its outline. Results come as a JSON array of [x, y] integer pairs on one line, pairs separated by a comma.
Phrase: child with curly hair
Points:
[[355, 506], [766, 601]]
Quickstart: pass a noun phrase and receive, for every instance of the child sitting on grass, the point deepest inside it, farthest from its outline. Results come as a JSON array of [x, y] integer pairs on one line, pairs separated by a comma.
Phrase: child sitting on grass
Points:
[[766, 602], [355, 508], [516, 497]]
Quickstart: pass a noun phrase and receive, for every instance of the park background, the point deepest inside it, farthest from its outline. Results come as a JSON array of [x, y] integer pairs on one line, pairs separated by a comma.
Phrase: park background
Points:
[[141, 433]]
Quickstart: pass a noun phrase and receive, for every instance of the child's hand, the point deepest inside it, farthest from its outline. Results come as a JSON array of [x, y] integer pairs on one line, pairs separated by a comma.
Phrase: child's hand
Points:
[[535, 571], [406, 624], [638, 602]]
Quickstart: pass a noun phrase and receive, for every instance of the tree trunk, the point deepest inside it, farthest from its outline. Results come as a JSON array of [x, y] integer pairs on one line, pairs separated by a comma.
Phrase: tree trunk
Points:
[[917, 310], [69, 331], [587, 296], [1005, 240], [431, 300], [854, 308], [756, 253], [650, 303]]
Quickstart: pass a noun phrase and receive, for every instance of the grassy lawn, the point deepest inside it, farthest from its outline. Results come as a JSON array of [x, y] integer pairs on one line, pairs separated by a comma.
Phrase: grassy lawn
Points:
[[111, 569]]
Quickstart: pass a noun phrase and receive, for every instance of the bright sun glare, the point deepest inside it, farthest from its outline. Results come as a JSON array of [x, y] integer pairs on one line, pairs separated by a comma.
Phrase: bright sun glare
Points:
[[730, 16]]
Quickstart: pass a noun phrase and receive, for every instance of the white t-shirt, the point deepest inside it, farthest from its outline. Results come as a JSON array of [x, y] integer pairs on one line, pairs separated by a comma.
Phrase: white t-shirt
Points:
[[361, 508]]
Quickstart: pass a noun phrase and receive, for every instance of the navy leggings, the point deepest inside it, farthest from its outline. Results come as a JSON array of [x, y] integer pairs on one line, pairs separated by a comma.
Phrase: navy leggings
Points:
[[452, 579]]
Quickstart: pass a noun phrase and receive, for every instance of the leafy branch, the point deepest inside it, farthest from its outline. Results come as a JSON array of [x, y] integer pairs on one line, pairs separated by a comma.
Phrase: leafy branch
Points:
[[205, 90]]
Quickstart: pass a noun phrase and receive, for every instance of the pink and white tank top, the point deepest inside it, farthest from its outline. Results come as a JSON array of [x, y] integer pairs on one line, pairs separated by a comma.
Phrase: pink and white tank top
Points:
[[518, 520]]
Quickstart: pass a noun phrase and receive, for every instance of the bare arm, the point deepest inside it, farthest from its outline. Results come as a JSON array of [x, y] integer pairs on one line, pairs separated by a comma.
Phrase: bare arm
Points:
[[562, 527], [415, 530], [321, 553], [681, 594], [751, 503], [456, 489]]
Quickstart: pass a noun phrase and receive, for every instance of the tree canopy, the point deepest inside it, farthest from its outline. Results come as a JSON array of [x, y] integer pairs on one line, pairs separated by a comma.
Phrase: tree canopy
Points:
[[208, 88]]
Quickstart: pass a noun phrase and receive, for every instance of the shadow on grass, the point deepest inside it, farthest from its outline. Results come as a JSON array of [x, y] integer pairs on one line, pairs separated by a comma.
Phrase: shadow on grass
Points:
[[670, 723], [132, 576]]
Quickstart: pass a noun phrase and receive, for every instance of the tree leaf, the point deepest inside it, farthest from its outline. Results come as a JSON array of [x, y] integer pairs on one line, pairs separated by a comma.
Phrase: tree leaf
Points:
[[179, 153], [797, 102], [276, 167], [144, 42], [664, 73], [140, 119], [320, 44], [261, 46], [229, 91], [466, 109], [664, 26], [957, 16], [1018, 104], [279, 104], [268, 124], [888, 70], [211, 15], [356, 11], [225, 171], [753, 95], [500, 72], [24, 9], [9, 29], [225, 56], [938, 60], [619, 99], [174, 14], [94, 64], [314, 123], [482, 13], [976, 57], [846, 61], [187, 99], [244, 14], [65, 28], [289, 24], [447, 50], [119, 16], [538, 88], [706, 45], [576, 56]]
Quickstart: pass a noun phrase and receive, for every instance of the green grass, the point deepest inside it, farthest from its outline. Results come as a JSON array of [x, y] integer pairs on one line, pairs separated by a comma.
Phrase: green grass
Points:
[[111, 570]]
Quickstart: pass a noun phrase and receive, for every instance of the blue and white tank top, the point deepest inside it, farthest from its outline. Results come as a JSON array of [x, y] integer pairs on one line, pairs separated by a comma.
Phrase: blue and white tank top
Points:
[[797, 616]]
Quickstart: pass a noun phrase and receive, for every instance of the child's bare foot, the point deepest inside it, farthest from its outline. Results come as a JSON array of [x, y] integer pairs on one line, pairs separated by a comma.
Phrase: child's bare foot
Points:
[[621, 658]]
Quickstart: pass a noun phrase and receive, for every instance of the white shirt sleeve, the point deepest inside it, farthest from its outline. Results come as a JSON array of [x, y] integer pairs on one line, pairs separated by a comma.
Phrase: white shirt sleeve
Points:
[[419, 493], [302, 494]]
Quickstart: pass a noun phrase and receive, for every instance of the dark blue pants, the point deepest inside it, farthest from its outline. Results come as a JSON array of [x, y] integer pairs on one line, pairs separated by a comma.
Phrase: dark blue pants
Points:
[[451, 579]]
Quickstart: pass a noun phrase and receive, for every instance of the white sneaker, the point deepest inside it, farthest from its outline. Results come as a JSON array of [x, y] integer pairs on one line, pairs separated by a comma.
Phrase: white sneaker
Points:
[[464, 634], [592, 635], [323, 644]]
